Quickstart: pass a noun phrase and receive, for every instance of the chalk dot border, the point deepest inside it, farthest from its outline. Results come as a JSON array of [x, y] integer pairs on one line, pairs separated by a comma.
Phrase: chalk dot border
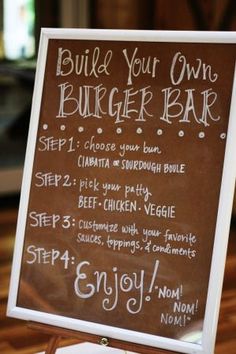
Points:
[[223, 136], [139, 130], [99, 130], [201, 135], [80, 129]]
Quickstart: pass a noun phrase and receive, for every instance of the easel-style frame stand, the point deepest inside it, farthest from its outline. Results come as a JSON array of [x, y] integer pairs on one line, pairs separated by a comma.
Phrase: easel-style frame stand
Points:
[[57, 333]]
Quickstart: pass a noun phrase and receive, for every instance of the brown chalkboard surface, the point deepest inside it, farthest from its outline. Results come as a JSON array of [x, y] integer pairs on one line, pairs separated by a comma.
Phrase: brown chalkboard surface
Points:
[[128, 186]]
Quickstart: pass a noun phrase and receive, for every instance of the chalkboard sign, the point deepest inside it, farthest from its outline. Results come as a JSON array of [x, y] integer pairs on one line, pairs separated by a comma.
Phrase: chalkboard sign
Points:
[[128, 186]]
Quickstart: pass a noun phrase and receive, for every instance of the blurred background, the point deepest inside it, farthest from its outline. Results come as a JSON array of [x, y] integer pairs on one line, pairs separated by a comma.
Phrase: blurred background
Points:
[[20, 24]]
